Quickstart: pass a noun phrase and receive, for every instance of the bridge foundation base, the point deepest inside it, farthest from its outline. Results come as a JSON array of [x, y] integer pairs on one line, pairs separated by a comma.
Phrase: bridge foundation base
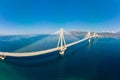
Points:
[[61, 53], [2, 56], [62, 50]]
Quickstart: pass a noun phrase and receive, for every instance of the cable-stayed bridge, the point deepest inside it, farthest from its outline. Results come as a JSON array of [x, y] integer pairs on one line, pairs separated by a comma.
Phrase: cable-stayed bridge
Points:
[[61, 46]]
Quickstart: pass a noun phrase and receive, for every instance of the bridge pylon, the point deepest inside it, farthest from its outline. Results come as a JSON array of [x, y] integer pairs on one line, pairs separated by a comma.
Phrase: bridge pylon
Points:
[[95, 35], [61, 42], [89, 36]]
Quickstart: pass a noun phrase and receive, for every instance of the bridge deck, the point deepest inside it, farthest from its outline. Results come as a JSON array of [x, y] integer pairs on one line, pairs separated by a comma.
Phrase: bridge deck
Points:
[[40, 52]]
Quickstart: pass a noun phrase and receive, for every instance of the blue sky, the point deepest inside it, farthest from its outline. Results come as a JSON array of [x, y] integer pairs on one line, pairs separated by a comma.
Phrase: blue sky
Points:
[[46, 16]]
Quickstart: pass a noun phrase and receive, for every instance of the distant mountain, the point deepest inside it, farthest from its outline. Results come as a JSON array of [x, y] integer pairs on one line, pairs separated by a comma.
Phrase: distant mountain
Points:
[[77, 33], [118, 32], [103, 34]]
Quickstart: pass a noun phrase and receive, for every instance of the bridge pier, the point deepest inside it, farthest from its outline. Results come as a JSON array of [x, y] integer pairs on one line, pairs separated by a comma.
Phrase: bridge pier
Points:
[[89, 41], [62, 50], [2, 56]]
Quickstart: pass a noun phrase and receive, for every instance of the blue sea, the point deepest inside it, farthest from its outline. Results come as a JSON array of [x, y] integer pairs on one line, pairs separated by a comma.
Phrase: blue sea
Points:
[[99, 60]]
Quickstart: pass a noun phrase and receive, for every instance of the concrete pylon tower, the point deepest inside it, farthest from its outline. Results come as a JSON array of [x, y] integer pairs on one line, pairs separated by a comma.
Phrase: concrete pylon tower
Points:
[[61, 42], [94, 35], [89, 35]]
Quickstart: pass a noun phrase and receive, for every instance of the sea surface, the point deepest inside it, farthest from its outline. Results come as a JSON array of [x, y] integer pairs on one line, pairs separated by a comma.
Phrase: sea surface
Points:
[[99, 60]]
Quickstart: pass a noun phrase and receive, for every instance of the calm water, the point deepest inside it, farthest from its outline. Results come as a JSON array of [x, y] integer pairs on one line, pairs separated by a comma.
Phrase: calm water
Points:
[[98, 61]]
